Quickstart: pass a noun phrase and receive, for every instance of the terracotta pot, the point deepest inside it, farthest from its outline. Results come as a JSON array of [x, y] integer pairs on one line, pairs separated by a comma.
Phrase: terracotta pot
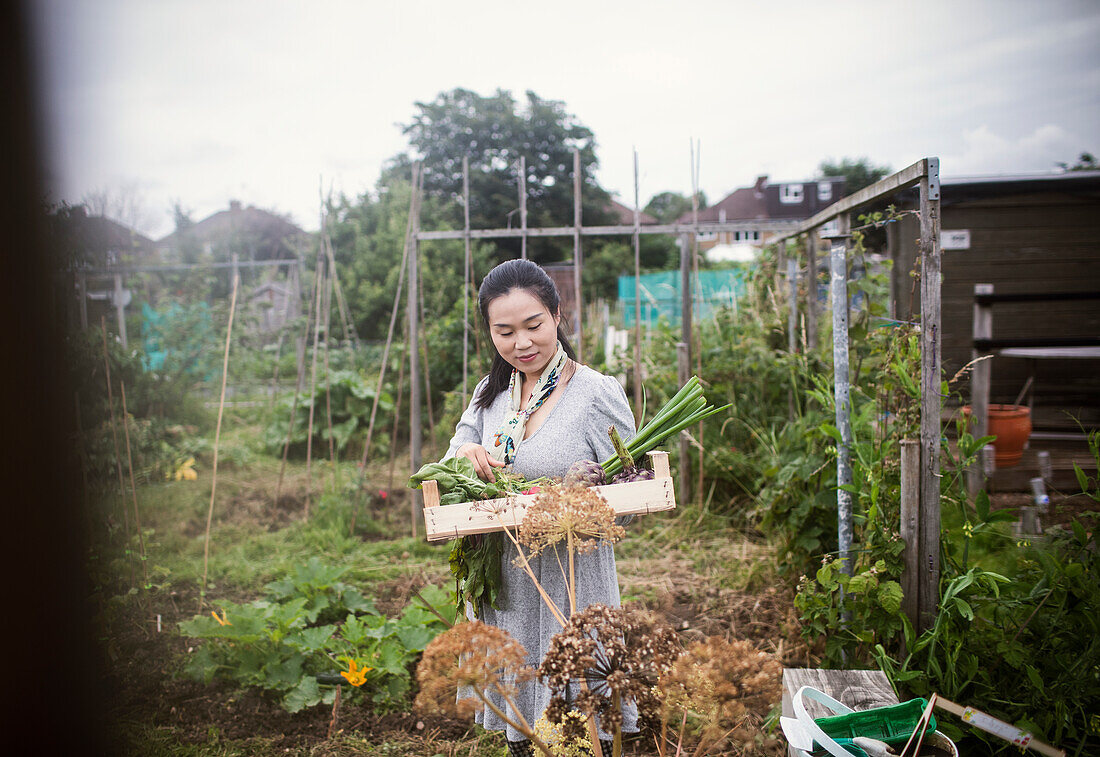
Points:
[[1011, 424]]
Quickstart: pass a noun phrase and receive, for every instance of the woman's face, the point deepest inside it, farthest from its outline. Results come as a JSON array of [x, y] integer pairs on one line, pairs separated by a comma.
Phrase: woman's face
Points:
[[524, 331]]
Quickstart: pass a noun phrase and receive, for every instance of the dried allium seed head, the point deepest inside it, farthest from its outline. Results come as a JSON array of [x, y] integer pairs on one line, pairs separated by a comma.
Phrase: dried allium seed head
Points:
[[724, 685], [563, 511], [474, 655], [619, 653]]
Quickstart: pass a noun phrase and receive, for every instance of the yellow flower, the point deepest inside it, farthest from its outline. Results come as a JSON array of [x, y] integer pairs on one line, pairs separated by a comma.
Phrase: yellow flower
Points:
[[222, 621], [355, 675], [185, 471]]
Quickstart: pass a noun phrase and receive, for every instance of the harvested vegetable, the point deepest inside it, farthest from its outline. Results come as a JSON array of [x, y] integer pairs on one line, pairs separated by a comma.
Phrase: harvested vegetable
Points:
[[686, 408], [630, 471], [585, 473]]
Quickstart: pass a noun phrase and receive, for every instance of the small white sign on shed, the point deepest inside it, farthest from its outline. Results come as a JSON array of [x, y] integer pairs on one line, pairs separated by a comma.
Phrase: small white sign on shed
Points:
[[955, 239]]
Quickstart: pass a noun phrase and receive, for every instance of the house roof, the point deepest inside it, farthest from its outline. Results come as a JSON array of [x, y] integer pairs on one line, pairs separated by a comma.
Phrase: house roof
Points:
[[744, 204], [270, 233], [625, 215], [112, 235]]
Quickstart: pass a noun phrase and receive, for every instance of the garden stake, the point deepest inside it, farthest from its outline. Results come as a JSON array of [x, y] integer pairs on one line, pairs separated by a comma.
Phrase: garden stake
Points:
[[427, 371], [217, 440], [335, 712], [998, 728], [297, 393], [393, 318], [313, 384], [922, 726], [114, 438], [279, 348], [359, 497], [328, 381], [397, 413], [133, 486]]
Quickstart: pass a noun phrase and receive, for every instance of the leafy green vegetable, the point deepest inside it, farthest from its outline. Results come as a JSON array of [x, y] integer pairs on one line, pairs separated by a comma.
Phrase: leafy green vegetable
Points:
[[457, 481]]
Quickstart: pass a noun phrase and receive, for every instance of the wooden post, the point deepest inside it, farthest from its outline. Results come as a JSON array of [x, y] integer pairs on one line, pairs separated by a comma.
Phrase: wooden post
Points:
[[979, 382], [523, 206], [638, 420], [683, 352], [838, 267], [120, 311], [910, 527], [414, 359], [318, 298], [811, 291], [931, 401], [684, 369], [577, 262], [792, 322], [82, 293], [465, 277], [792, 311]]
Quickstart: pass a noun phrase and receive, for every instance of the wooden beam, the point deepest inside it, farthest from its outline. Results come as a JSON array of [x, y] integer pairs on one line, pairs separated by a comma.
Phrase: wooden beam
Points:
[[672, 229], [184, 267], [893, 183]]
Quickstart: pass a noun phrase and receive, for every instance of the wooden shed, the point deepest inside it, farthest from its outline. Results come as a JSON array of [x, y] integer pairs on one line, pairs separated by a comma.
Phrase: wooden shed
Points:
[[1026, 234]]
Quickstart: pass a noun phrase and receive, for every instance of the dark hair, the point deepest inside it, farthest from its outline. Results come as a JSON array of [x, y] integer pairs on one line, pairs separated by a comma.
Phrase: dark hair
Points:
[[509, 275]]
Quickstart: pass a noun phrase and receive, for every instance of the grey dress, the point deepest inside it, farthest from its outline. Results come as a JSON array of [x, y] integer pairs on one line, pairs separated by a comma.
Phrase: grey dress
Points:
[[576, 429]]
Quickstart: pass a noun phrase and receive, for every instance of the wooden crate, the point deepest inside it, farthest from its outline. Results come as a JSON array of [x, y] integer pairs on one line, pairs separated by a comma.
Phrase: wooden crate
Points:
[[487, 516]]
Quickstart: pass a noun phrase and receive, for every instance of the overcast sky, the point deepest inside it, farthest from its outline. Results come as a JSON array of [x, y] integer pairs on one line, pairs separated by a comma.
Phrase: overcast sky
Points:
[[201, 101]]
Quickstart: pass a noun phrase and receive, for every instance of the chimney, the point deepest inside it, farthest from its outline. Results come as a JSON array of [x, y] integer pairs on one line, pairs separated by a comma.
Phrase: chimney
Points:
[[234, 206], [758, 188]]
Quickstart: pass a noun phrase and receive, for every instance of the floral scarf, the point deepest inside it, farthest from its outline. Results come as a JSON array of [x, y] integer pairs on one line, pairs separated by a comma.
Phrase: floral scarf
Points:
[[511, 432]]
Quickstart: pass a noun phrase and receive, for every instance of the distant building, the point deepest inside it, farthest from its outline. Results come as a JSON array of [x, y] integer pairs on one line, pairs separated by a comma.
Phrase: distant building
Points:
[[765, 201], [624, 216], [248, 232]]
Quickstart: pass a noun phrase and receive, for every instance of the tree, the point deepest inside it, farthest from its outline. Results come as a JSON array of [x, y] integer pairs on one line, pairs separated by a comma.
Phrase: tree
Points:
[[494, 132], [666, 207], [1086, 161], [857, 172]]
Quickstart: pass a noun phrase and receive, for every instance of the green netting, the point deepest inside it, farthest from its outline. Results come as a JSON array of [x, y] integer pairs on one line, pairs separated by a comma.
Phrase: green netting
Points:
[[660, 293]]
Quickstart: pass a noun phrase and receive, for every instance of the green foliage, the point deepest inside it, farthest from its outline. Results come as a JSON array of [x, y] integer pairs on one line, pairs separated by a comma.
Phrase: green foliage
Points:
[[350, 396], [857, 172], [667, 207], [309, 623], [1018, 641], [494, 132]]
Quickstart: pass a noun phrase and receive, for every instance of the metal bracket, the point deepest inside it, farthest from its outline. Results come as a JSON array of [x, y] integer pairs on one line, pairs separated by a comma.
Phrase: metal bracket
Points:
[[933, 178]]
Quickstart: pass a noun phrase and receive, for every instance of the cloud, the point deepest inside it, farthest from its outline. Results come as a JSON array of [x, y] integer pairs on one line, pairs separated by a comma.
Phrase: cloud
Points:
[[985, 151]]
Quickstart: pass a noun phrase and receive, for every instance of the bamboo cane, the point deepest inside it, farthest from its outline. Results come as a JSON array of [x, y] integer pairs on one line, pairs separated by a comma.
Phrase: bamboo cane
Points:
[[133, 485], [118, 451], [313, 386], [294, 404], [217, 441]]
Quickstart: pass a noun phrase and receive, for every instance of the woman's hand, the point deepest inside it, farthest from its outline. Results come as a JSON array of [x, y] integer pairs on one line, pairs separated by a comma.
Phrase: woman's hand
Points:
[[482, 460]]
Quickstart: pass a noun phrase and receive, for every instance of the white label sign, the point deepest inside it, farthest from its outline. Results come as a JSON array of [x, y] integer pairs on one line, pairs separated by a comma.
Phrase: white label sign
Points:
[[955, 239]]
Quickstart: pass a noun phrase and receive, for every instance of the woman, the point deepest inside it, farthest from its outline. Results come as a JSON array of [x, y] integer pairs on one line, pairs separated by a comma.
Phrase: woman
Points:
[[539, 411]]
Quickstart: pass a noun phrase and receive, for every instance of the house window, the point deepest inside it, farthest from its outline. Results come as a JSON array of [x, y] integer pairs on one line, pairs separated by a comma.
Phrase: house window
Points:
[[790, 194], [746, 236], [707, 236], [824, 191]]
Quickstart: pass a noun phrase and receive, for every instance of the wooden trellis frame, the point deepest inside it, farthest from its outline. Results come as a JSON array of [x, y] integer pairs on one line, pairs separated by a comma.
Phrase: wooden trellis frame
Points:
[[685, 231], [923, 556]]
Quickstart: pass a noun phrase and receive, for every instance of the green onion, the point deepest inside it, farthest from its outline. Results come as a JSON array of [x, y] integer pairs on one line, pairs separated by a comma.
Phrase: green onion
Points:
[[686, 408]]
